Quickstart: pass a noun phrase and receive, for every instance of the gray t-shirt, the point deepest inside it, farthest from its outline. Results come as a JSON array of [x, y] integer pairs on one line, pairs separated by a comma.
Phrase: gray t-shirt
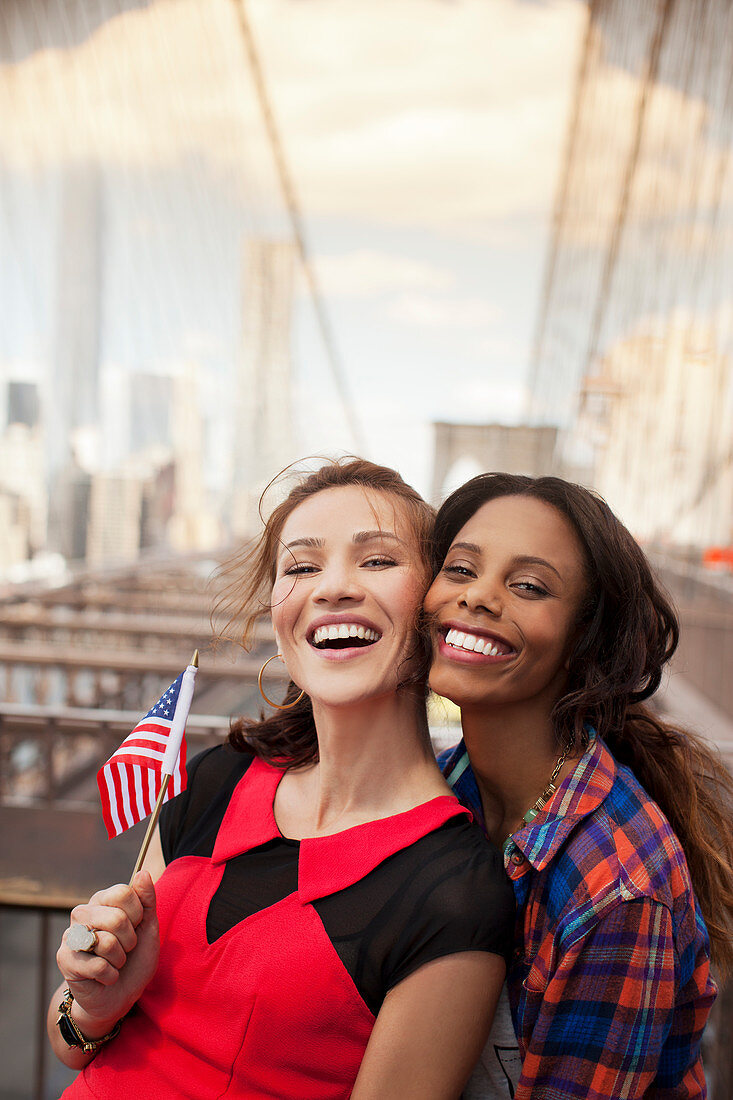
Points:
[[496, 1074]]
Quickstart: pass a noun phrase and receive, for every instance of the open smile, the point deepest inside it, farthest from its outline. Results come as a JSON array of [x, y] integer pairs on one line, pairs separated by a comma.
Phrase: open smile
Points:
[[463, 644], [343, 635]]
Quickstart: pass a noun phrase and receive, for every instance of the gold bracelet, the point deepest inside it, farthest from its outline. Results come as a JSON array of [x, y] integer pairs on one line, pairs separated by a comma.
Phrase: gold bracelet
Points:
[[71, 1034]]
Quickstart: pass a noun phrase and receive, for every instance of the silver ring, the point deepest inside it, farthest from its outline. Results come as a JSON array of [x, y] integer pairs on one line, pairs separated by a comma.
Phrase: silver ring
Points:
[[80, 937]]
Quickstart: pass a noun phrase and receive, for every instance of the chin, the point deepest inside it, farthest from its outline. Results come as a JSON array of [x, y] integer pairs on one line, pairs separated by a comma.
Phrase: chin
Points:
[[438, 686], [345, 697]]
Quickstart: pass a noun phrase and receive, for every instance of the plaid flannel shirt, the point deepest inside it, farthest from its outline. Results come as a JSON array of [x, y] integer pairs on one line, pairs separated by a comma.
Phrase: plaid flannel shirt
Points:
[[610, 985]]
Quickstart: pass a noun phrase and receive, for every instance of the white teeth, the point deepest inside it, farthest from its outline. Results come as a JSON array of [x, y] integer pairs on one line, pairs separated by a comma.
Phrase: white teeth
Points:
[[471, 642], [335, 631]]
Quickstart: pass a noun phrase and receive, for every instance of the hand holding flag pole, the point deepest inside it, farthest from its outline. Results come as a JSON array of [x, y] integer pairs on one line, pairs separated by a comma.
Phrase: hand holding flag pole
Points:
[[155, 749]]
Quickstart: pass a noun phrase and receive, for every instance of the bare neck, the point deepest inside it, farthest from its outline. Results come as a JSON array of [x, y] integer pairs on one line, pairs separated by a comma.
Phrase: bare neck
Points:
[[513, 751], [374, 761]]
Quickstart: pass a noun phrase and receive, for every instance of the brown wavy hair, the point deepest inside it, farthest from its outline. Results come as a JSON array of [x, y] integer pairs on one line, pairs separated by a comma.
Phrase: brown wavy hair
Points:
[[287, 738], [628, 630]]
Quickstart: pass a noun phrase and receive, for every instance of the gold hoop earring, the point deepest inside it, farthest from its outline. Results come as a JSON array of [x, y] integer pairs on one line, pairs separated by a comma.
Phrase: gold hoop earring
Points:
[[277, 706]]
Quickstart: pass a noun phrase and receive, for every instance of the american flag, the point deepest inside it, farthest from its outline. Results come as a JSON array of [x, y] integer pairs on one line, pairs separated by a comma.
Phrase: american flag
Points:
[[130, 780]]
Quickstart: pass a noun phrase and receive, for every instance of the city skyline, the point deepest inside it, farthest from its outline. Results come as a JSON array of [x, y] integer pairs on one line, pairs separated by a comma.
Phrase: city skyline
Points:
[[427, 144]]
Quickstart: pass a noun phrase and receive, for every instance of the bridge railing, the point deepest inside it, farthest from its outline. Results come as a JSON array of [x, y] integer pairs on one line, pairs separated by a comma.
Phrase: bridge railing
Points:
[[54, 854], [47, 754]]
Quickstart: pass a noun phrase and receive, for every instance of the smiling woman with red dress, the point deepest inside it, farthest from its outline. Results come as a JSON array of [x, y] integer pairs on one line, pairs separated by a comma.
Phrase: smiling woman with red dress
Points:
[[549, 632], [326, 921]]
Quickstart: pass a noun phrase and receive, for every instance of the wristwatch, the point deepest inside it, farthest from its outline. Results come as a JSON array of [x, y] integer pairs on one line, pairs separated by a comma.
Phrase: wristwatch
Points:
[[71, 1034]]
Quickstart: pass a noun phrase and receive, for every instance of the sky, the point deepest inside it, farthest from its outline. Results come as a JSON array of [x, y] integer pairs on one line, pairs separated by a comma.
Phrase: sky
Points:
[[424, 139]]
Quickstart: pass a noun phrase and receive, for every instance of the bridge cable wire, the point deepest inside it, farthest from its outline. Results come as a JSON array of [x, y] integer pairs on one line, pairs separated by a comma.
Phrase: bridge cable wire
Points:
[[297, 225], [610, 265]]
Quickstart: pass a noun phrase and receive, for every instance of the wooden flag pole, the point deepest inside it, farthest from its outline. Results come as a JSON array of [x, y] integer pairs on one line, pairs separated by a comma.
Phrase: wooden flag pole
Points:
[[165, 779], [151, 828]]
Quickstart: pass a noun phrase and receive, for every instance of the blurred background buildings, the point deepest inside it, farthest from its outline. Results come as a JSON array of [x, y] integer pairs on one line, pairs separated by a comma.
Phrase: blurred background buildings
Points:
[[452, 237]]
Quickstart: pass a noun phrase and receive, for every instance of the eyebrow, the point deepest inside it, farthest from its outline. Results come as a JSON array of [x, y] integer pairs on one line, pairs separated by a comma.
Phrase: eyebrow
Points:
[[372, 536], [359, 539], [521, 559], [310, 543]]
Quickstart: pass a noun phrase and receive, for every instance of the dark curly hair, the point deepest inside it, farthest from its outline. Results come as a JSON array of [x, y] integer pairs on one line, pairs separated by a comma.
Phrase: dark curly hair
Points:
[[627, 632]]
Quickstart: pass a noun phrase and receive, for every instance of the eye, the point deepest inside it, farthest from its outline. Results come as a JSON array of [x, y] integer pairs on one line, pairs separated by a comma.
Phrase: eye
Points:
[[531, 587], [457, 570], [379, 561], [300, 569]]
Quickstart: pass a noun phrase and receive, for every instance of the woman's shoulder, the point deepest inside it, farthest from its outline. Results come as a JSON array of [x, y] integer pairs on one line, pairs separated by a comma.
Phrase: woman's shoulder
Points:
[[640, 834], [189, 822], [217, 764], [625, 850], [463, 874], [443, 894]]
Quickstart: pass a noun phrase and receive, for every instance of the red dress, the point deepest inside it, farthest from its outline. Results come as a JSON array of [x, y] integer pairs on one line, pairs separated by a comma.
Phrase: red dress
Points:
[[268, 1009]]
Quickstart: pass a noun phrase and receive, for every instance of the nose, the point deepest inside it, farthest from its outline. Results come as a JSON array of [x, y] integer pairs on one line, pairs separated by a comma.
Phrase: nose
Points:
[[337, 584], [479, 595]]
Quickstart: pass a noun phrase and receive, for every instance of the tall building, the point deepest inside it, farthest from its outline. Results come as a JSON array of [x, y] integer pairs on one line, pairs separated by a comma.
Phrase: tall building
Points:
[[22, 477], [192, 525], [463, 450], [74, 402], [15, 545], [640, 261], [264, 424], [23, 403], [151, 405], [115, 518]]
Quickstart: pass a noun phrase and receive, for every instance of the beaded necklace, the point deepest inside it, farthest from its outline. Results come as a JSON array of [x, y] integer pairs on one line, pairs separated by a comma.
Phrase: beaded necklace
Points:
[[544, 798]]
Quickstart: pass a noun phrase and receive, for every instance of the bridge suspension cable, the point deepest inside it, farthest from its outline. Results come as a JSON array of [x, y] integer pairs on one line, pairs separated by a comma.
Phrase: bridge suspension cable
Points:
[[297, 225]]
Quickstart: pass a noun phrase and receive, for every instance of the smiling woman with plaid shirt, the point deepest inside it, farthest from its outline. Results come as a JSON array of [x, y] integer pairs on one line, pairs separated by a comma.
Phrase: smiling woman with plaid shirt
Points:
[[549, 631]]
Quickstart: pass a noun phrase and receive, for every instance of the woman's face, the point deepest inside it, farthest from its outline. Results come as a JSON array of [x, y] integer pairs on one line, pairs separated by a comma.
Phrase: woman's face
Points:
[[350, 580], [506, 604]]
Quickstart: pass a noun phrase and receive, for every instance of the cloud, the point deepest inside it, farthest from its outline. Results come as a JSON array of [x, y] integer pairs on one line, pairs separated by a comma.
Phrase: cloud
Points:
[[430, 311], [367, 272], [676, 175], [413, 112]]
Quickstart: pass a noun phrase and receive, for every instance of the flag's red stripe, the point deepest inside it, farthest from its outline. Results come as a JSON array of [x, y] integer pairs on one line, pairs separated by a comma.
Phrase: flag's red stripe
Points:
[[114, 773], [106, 805], [123, 794], [152, 725], [144, 736]]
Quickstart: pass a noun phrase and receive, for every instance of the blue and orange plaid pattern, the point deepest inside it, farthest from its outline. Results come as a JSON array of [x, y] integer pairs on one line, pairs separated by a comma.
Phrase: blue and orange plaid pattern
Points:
[[610, 983]]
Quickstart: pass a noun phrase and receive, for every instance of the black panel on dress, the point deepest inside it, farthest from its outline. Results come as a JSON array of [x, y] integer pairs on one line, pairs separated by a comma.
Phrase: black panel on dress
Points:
[[251, 882]]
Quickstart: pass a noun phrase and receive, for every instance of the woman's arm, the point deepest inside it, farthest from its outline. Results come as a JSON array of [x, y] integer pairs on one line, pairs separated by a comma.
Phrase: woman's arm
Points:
[[106, 983], [154, 861], [431, 1029]]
